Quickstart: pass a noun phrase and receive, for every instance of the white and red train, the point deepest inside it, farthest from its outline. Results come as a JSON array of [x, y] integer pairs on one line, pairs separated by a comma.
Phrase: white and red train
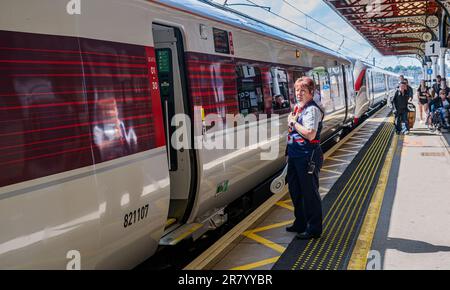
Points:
[[86, 100]]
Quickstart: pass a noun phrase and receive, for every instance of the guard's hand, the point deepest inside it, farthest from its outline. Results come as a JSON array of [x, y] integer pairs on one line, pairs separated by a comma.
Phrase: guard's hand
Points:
[[292, 118]]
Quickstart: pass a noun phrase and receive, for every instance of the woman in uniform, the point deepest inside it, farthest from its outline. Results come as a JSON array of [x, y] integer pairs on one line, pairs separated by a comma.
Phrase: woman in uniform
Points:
[[305, 159]]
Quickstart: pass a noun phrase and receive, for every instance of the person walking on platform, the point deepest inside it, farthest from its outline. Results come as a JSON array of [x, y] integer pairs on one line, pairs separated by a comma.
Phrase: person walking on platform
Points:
[[305, 159], [401, 109], [423, 93], [409, 91], [436, 87]]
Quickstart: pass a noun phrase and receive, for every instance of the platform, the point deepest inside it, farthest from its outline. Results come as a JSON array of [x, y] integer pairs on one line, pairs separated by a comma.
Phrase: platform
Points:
[[413, 226], [386, 206], [260, 240]]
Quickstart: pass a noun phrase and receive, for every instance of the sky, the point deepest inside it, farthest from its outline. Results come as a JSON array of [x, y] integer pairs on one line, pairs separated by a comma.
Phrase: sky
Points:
[[353, 45]]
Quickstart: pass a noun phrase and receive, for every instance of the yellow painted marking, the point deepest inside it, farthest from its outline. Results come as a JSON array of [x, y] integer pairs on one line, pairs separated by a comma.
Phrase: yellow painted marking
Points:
[[269, 227], [286, 206], [330, 171], [186, 234], [258, 264], [364, 190], [170, 222], [343, 198], [343, 220], [358, 260], [265, 242]]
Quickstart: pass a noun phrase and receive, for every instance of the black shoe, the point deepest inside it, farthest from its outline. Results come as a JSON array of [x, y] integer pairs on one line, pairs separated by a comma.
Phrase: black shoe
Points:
[[306, 236], [291, 229]]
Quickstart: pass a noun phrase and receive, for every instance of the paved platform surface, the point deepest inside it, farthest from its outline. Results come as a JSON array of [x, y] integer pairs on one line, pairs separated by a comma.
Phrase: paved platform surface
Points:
[[413, 230]]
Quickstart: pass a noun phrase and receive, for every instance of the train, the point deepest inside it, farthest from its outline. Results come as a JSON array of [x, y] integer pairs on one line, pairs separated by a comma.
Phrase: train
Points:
[[89, 177]]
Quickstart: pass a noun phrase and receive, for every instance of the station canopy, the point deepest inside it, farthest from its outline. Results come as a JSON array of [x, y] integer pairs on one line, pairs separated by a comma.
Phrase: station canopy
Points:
[[396, 27]]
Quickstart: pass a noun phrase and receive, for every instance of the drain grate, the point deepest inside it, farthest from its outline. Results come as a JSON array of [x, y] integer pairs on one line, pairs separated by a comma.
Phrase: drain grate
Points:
[[433, 154]]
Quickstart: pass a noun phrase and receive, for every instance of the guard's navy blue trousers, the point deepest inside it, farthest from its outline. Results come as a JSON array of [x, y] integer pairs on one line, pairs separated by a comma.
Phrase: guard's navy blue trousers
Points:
[[304, 190]]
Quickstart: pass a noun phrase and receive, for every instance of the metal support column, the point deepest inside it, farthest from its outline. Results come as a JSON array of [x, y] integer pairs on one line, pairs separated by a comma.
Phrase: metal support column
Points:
[[442, 71]]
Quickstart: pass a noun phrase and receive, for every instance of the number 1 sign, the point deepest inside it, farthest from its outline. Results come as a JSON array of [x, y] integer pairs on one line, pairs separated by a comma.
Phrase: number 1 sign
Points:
[[432, 48]]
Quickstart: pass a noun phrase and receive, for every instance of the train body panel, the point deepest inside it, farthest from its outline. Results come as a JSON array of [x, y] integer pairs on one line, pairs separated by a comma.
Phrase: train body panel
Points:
[[89, 100]]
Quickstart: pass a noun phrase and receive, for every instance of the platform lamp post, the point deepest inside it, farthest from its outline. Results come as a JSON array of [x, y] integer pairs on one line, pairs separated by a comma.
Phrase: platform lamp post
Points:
[[434, 60]]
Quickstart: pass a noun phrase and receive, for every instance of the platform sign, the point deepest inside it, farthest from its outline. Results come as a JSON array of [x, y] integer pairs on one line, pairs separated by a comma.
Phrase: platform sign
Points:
[[432, 48], [430, 71]]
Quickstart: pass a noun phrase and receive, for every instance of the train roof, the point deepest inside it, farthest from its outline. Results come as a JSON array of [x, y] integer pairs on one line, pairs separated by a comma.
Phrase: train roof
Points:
[[208, 9]]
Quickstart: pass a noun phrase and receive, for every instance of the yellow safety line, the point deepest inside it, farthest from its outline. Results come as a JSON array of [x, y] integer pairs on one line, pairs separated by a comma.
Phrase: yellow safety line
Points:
[[358, 260], [365, 190], [340, 221], [257, 264], [286, 206], [265, 242], [337, 204], [346, 243], [269, 227]]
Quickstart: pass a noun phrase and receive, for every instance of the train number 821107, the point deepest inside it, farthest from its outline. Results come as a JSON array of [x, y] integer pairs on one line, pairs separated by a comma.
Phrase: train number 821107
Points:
[[135, 216]]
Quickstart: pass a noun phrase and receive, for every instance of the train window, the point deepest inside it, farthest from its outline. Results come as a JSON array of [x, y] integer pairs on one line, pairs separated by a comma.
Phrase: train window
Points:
[[221, 41], [350, 85], [336, 87], [250, 89], [321, 77], [280, 90]]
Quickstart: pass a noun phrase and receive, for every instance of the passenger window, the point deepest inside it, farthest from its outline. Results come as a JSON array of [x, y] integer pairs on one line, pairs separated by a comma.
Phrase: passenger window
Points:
[[280, 90], [250, 90], [322, 80], [336, 89]]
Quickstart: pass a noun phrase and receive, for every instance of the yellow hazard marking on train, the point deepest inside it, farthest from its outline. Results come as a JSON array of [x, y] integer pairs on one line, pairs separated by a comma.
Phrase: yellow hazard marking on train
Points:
[[254, 265], [358, 260]]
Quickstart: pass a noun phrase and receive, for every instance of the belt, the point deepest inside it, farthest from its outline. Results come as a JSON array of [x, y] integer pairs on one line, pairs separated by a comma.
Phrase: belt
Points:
[[301, 140]]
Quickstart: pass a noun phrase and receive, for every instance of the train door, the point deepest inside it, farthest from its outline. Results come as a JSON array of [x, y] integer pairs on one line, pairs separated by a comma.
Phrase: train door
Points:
[[169, 52]]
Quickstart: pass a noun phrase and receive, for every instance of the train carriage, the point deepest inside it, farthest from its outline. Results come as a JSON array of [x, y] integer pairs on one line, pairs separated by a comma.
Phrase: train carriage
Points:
[[89, 104]]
